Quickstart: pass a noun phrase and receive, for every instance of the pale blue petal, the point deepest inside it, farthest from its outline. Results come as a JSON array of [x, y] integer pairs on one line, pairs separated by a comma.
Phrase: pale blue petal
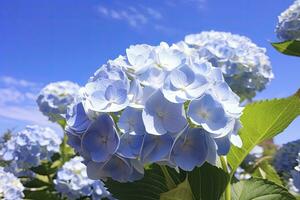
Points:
[[156, 148], [118, 168], [131, 121], [223, 144], [153, 125], [137, 170], [77, 120], [130, 145], [212, 150], [101, 140], [74, 141], [159, 115], [209, 113], [190, 149], [174, 120]]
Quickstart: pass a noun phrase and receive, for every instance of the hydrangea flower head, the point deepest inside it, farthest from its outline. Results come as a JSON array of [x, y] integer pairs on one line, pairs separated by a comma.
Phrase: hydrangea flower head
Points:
[[156, 104], [288, 27], [55, 98], [255, 153], [10, 186], [294, 181], [285, 159], [72, 182], [29, 147], [245, 66], [107, 90]]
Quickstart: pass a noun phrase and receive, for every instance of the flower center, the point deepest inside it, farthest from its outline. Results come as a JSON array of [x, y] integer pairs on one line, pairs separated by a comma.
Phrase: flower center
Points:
[[203, 114]]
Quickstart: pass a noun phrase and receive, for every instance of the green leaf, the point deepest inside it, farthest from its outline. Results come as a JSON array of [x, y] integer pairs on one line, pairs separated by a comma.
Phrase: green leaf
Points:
[[36, 183], [45, 169], [182, 191], [149, 188], [290, 47], [266, 171], [259, 189], [41, 194], [62, 122], [261, 121], [208, 182]]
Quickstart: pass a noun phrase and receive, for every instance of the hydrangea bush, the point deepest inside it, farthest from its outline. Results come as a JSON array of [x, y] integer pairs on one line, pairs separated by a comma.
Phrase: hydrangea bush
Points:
[[294, 181], [54, 99], [245, 66], [285, 160], [72, 182], [29, 147], [10, 186], [158, 123], [288, 27], [156, 104]]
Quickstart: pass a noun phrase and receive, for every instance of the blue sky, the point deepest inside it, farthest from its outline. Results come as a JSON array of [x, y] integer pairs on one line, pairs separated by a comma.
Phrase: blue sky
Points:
[[46, 41]]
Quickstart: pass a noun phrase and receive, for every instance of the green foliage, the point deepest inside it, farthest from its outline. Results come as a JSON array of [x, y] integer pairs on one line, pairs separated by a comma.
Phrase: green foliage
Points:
[[62, 123], [259, 189], [38, 182], [205, 182], [291, 47], [208, 182], [182, 191], [41, 195], [261, 121], [149, 188], [45, 168], [267, 171]]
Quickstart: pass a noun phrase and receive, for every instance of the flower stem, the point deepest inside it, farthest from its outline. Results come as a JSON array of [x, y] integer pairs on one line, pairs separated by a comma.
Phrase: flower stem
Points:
[[169, 181], [225, 168], [63, 149]]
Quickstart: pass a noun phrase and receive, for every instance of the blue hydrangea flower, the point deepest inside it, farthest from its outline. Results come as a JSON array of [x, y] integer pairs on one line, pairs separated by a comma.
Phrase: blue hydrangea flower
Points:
[[10, 186], [100, 141], [134, 111], [29, 147], [161, 116], [72, 182], [76, 118], [245, 66], [55, 98], [130, 145], [190, 141], [288, 27], [285, 159], [208, 112], [138, 59], [183, 84], [131, 121], [117, 168], [107, 90], [156, 148]]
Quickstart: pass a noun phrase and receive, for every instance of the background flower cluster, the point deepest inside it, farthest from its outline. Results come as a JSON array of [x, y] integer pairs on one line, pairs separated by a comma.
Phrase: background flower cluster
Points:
[[245, 66], [288, 27]]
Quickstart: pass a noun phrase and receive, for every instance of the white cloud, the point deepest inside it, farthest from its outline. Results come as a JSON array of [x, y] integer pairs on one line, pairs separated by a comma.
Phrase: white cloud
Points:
[[135, 16], [7, 80], [17, 103], [10, 95], [26, 114], [13, 95], [199, 4], [154, 13]]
